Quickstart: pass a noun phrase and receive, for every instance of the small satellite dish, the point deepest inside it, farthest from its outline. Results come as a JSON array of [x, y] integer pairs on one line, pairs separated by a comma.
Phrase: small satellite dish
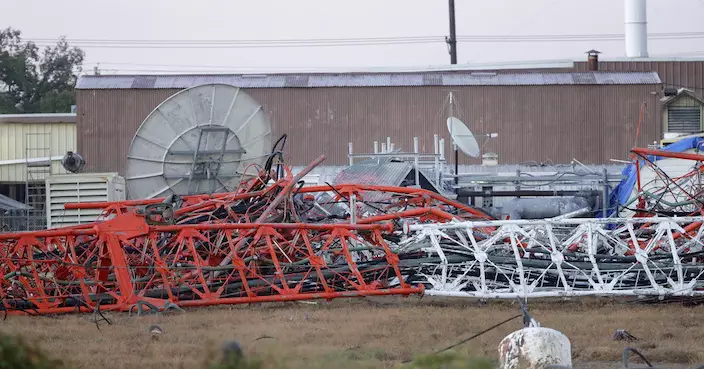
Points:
[[463, 137]]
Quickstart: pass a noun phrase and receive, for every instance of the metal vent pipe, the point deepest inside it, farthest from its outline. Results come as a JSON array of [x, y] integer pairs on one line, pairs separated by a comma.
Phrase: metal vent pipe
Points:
[[636, 23]]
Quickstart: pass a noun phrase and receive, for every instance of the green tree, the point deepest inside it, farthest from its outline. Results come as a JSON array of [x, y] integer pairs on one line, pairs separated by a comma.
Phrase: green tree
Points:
[[34, 80]]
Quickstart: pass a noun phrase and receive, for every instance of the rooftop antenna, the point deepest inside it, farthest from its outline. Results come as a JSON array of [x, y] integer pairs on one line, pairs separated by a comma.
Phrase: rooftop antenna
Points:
[[462, 138]]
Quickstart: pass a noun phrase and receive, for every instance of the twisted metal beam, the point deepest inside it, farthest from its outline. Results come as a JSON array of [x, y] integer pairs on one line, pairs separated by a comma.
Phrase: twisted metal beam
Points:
[[562, 258]]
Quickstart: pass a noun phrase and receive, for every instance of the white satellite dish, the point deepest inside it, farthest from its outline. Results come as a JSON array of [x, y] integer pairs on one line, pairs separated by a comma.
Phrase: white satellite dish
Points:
[[463, 137], [200, 140]]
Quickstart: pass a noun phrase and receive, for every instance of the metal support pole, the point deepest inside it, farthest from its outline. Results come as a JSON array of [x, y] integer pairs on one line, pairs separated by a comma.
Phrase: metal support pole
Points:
[[605, 194], [457, 166], [351, 152], [442, 156], [353, 209], [452, 134], [436, 159], [415, 159]]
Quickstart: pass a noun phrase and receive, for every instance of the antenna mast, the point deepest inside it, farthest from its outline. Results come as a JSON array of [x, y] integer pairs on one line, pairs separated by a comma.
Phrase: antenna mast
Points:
[[451, 106]]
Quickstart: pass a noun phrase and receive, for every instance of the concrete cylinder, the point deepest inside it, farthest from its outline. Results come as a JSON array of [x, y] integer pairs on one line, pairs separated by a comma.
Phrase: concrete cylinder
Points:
[[535, 348]]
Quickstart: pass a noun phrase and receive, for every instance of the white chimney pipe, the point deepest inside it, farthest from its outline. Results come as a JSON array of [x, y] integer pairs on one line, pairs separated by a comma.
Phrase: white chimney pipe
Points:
[[636, 22]]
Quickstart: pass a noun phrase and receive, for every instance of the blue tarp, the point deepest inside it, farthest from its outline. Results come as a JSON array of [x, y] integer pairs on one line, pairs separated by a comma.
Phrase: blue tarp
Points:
[[622, 193]]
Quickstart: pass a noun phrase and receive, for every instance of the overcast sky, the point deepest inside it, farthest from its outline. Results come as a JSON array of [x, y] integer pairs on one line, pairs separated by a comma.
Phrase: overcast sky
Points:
[[332, 19]]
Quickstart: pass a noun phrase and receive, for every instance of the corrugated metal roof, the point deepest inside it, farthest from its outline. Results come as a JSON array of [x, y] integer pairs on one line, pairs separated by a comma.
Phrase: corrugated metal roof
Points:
[[7, 203], [368, 80], [38, 118], [383, 174]]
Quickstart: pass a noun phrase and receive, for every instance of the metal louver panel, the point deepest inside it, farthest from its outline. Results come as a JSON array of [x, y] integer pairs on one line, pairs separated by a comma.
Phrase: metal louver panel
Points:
[[84, 187], [682, 119]]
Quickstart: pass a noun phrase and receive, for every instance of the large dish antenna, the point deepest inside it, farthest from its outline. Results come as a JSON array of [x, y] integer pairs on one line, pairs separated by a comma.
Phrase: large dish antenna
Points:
[[200, 140], [463, 137]]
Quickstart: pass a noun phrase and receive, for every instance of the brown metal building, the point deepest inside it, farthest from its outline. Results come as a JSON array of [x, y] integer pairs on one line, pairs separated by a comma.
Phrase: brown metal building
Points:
[[590, 116], [674, 73]]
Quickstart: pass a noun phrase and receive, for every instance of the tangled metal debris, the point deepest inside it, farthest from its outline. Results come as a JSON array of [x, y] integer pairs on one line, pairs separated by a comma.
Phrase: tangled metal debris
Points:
[[262, 243], [285, 241]]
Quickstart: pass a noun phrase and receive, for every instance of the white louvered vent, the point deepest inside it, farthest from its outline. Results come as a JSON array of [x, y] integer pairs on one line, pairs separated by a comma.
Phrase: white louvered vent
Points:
[[88, 187]]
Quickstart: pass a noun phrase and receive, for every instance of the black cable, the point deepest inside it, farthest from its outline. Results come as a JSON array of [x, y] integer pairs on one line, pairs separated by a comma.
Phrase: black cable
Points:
[[270, 161], [281, 140], [472, 337], [624, 357], [662, 173], [97, 309]]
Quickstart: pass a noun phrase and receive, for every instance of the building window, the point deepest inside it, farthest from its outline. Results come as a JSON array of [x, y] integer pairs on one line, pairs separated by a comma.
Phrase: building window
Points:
[[684, 119]]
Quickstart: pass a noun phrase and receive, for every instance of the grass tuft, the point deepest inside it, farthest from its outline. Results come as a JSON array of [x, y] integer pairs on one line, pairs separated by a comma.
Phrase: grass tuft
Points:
[[16, 353], [450, 360]]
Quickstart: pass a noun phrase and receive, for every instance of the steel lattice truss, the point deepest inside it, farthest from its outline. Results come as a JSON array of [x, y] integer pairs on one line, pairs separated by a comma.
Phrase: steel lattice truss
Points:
[[571, 257], [263, 243], [283, 242]]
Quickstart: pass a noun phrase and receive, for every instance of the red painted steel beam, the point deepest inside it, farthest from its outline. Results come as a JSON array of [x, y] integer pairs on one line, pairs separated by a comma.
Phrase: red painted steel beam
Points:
[[668, 154], [418, 290], [287, 189], [216, 254]]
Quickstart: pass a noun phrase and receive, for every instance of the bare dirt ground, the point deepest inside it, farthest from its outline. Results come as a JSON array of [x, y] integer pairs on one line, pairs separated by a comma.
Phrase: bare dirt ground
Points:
[[364, 333]]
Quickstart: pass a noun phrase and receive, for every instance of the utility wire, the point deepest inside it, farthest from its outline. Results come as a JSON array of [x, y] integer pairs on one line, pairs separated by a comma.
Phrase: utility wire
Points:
[[371, 41], [472, 337]]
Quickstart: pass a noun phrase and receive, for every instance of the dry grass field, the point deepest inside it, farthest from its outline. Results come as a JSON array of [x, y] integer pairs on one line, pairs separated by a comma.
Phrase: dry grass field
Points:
[[364, 333]]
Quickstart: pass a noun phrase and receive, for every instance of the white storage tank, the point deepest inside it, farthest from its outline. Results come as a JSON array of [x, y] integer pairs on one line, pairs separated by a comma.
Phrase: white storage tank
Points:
[[82, 187]]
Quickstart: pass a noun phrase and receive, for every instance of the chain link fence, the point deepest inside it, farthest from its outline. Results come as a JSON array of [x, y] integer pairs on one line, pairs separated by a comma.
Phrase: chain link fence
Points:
[[22, 220]]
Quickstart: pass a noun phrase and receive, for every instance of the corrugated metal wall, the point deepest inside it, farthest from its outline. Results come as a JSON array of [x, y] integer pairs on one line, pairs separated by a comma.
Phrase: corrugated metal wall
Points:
[[13, 137], [107, 120], [535, 123], [678, 74]]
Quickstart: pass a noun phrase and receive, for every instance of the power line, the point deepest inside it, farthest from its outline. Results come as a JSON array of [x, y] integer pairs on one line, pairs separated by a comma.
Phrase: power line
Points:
[[335, 42], [249, 41], [368, 39], [271, 43]]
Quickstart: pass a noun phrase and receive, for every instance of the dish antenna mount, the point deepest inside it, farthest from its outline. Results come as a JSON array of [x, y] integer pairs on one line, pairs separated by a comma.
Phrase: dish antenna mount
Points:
[[200, 140]]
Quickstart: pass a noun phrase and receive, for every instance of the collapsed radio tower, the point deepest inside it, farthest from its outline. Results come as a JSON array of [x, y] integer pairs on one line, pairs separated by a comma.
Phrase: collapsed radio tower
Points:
[[260, 235]]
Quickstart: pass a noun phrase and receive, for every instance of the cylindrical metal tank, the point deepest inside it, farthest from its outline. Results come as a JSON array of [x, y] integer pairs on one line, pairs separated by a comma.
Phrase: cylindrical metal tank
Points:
[[636, 28]]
